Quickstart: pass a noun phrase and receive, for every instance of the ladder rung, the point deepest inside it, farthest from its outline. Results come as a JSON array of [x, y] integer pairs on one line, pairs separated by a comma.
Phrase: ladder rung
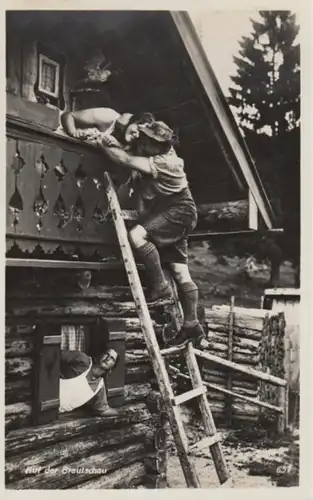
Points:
[[194, 393], [205, 443], [172, 350], [129, 214]]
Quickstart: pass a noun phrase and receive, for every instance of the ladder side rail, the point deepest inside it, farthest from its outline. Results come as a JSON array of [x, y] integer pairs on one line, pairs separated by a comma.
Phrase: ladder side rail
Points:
[[150, 337], [207, 418]]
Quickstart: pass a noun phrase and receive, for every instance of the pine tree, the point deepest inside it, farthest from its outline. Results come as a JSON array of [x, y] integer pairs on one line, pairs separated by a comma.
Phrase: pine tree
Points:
[[266, 94]]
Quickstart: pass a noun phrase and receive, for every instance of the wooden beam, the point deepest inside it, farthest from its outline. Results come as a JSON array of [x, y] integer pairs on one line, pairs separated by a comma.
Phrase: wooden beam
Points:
[[253, 212], [237, 395], [283, 292], [205, 73], [63, 264], [29, 69], [243, 369], [32, 111], [205, 443], [223, 216], [207, 235], [187, 396]]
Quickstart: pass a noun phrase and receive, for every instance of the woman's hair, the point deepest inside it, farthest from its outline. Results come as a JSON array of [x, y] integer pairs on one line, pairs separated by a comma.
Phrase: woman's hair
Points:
[[139, 118]]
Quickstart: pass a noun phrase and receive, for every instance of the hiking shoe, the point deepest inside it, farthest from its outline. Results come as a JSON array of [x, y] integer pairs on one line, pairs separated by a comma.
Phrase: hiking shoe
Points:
[[182, 338], [194, 334], [157, 295]]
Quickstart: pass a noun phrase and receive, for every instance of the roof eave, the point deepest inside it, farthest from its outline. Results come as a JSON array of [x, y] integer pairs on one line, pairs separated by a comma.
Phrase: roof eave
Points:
[[219, 103]]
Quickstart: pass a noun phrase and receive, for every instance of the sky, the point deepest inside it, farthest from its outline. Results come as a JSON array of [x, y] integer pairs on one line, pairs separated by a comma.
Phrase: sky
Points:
[[221, 31]]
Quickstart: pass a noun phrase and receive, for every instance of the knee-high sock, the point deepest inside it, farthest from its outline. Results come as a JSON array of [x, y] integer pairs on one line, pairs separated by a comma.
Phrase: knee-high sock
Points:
[[188, 294], [149, 255]]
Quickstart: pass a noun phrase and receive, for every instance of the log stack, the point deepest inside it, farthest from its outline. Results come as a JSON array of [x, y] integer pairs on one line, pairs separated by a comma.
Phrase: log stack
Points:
[[272, 353], [257, 342]]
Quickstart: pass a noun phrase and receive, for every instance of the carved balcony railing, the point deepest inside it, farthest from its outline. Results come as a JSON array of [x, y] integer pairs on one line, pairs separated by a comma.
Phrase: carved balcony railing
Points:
[[55, 198]]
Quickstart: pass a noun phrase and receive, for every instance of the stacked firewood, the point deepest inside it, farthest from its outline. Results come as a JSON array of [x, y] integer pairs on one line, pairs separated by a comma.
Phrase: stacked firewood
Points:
[[252, 346]]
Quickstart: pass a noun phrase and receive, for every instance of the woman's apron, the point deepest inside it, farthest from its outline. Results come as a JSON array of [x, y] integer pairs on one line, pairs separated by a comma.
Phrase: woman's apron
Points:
[[76, 391]]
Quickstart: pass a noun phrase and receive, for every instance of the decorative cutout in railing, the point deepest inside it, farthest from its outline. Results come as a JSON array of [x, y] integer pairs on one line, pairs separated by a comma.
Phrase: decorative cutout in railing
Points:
[[18, 162], [60, 171], [16, 204], [41, 206]]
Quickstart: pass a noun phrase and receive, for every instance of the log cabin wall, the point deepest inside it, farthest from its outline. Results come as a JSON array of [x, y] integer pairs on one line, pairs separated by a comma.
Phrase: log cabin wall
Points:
[[115, 452]]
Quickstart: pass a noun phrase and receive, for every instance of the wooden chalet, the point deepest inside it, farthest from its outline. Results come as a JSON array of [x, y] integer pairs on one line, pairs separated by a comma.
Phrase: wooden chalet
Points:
[[57, 228]]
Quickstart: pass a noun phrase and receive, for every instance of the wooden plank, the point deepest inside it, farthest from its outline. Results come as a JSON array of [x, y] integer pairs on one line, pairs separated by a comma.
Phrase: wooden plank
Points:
[[253, 212], [226, 215], [18, 415], [207, 418], [150, 338], [18, 391], [172, 350], [283, 403], [244, 311], [239, 368], [205, 443], [187, 396], [29, 69], [32, 111], [62, 264], [16, 346], [207, 235], [47, 374], [116, 329], [262, 404], [19, 367], [129, 214], [14, 62], [289, 292], [11, 152], [242, 319], [230, 358]]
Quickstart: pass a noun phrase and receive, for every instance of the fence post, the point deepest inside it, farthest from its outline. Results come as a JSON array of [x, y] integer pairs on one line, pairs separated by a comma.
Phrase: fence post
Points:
[[229, 398]]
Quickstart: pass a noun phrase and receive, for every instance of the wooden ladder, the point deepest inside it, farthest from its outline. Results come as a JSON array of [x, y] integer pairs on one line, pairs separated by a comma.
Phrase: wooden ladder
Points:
[[171, 402]]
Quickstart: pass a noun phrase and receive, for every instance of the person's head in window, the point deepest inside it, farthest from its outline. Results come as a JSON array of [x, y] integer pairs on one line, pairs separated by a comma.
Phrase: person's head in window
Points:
[[105, 363]]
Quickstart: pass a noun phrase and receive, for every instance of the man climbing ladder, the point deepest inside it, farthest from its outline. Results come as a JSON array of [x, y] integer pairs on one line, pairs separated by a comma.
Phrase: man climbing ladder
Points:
[[167, 214], [171, 402]]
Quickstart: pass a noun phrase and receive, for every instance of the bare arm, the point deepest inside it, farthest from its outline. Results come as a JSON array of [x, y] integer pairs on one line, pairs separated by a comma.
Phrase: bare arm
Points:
[[139, 163], [101, 118]]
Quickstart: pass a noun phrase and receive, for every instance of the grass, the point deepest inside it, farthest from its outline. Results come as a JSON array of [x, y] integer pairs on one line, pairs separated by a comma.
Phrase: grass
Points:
[[220, 278]]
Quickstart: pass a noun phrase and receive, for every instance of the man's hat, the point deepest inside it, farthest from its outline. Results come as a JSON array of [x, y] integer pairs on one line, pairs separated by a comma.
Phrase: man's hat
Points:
[[157, 130]]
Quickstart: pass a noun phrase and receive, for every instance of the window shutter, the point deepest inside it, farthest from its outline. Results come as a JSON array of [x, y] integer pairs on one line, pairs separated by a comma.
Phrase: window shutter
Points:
[[47, 373], [116, 379]]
